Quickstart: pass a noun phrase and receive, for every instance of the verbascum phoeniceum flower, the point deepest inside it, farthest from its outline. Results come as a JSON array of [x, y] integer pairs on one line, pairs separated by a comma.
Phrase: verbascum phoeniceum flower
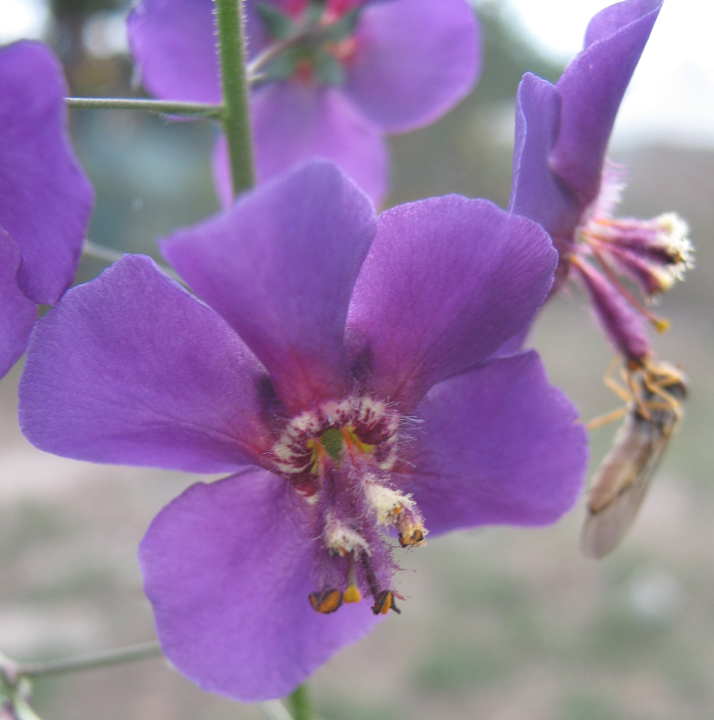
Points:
[[562, 180], [45, 197], [339, 366], [351, 72]]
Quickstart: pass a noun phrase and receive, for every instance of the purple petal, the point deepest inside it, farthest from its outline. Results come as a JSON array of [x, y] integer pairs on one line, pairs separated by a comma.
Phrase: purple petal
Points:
[[294, 122], [446, 283], [536, 193], [415, 60], [132, 369], [498, 445], [227, 569], [609, 20], [45, 197], [17, 313], [174, 46], [592, 88], [279, 266]]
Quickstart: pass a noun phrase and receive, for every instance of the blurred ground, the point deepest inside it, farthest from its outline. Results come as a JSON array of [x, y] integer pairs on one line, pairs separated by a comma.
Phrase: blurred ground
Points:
[[501, 624]]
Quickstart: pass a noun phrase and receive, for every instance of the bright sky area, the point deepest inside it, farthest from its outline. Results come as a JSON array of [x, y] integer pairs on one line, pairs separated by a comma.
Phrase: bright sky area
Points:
[[671, 97]]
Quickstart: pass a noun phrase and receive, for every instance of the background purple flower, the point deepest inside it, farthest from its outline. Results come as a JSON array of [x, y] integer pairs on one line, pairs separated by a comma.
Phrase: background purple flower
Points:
[[405, 63], [45, 197], [341, 371]]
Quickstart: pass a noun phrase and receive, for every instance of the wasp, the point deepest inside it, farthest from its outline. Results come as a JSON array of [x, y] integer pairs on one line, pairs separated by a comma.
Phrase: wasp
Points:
[[654, 394]]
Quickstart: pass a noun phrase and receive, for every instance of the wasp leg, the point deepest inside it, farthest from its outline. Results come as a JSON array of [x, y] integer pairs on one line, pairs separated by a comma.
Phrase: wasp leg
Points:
[[601, 420], [638, 399]]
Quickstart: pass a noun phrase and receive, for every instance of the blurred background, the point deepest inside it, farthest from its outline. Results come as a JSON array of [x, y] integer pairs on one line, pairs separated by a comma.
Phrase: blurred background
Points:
[[501, 624]]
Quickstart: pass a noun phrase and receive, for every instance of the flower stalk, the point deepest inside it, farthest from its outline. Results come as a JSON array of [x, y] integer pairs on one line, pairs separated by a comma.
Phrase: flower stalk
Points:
[[300, 704], [105, 658], [235, 86], [187, 109]]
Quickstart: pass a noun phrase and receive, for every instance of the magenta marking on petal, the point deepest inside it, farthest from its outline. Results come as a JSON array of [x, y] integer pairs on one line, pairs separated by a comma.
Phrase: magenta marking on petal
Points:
[[280, 266]]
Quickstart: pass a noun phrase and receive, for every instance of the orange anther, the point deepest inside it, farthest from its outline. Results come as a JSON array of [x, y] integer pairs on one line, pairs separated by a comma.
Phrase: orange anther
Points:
[[327, 601]]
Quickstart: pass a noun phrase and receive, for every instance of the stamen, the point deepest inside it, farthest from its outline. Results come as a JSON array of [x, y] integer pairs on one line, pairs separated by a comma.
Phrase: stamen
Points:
[[384, 602], [328, 601], [352, 593], [412, 537], [343, 540], [660, 324]]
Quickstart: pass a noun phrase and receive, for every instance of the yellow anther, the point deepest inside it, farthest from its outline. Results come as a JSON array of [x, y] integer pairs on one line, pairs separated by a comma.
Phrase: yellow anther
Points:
[[660, 324], [352, 594]]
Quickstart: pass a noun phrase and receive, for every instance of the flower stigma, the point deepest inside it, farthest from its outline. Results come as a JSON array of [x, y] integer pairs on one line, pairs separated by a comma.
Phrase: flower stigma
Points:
[[342, 460]]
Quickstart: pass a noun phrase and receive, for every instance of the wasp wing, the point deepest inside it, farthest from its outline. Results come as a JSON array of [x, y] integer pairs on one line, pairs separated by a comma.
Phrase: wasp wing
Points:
[[622, 481]]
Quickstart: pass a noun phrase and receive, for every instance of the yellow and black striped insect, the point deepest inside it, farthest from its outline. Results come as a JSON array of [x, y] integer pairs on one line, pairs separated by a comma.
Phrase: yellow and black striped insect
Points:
[[654, 394]]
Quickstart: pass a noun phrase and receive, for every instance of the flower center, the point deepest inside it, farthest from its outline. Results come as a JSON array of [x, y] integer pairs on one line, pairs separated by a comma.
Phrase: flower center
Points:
[[340, 458], [314, 39]]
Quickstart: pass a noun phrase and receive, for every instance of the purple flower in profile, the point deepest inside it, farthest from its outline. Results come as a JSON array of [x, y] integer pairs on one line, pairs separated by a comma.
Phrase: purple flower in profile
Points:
[[45, 197], [562, 180], [341, 370], [366, 70]]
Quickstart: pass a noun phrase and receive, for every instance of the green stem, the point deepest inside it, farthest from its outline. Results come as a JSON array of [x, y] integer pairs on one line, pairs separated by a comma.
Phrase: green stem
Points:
[[214, 112], [234, 82], [300, 703], [94, 660]]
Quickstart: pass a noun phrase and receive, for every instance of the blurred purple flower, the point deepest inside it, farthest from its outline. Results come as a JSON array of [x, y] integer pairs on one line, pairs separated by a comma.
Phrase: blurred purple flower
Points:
[[393, 66], [45, 197], [562, 180], [340, 369]]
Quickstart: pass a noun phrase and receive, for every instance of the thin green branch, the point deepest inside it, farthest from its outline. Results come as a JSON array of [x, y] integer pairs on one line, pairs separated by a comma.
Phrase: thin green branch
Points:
[[200, 110], [234, 82], [91, 661]]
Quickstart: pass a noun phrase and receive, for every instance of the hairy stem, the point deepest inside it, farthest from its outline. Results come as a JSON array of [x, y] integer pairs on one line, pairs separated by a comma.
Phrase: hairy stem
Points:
[[200, 110], [234, 82], [93, 660]]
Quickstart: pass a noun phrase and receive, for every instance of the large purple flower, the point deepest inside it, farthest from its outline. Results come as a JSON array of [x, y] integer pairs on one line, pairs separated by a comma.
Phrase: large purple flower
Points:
[[562, 180], [368, 68], [45, 197], [340, 370]]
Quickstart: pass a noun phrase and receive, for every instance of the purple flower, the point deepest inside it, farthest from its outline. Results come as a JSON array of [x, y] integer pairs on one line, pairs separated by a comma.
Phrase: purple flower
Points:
[[377, 68], [340, 370], [45, 197], [562, 180]]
